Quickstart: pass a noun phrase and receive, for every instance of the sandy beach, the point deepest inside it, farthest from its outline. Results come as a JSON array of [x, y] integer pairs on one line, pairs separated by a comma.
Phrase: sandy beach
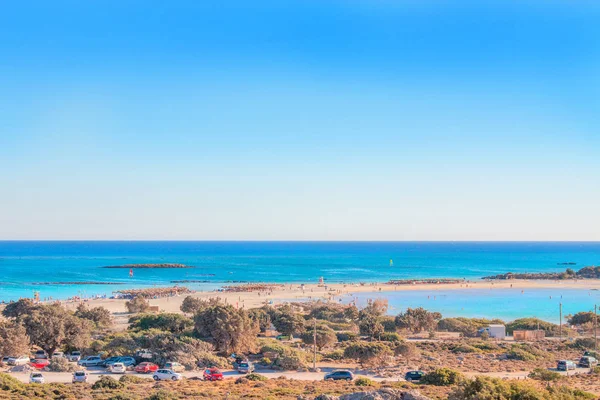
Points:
[[335, 292]]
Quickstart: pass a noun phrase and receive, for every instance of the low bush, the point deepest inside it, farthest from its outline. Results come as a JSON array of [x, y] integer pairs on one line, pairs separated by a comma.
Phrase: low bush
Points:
[[162, 395], [525, 352], [347, 336], [390, 337], [107, 382], [584, 343], [9, 383], [292, 363], [60, 364], [465, 348], [206, 359], [442, 377], [256, 377], [266, 361], [541, 374], [363, 382], [335, 355], [132, 379]]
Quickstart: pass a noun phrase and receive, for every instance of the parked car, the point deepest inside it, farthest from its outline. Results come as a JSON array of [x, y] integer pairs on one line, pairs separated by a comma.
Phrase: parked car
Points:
[[212, 374], [90, 361], [245, 367], [108, 361], [127, 361], [166, 375], [174, 366], [80, 377], [146, 368], [36, 377], [587, 362], [565, 365], [58, 354], [413, 376], [5, 359], [74, 356], [339, 376], [39, 364], [40, 354], [118, 368], [19, 360]]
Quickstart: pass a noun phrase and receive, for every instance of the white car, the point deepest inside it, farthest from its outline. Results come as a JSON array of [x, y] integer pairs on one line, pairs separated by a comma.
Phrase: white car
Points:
[[19, 360], [36, 377], [118, 368], [74, 356], [166, 375], [80, 377], [90, 361], [58, 354]]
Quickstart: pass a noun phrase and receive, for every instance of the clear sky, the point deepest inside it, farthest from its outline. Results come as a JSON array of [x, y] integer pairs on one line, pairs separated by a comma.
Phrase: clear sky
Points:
[[300, 120]]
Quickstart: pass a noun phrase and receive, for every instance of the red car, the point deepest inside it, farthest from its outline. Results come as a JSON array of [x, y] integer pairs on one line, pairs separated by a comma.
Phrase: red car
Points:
[[212, 374], [39, 364], [146, 368]]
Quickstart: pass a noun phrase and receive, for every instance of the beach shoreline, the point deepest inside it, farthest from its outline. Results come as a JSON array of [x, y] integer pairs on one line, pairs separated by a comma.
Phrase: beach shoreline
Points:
[[295, 292]]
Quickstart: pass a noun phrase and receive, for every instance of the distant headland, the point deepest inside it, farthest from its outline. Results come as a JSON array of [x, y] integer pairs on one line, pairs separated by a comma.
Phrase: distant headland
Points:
[[150, 266]]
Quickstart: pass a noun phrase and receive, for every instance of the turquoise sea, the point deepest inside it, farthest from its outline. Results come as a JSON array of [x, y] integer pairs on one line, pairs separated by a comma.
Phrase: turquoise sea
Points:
[[24, 263]]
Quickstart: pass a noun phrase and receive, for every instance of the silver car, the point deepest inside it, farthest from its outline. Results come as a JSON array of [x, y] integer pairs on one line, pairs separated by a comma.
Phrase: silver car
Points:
[[80, 377], [90, 361]]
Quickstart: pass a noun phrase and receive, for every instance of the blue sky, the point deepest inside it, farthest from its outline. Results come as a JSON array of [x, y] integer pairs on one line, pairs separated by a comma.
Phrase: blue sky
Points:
[[300, 120]]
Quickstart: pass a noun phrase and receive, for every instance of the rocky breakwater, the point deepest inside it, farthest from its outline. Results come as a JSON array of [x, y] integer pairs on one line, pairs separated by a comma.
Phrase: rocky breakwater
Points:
[[150, 266]]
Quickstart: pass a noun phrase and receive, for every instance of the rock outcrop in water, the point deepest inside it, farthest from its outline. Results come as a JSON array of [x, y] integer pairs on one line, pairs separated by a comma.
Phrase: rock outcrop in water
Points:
[[584, 273], [150, 266]]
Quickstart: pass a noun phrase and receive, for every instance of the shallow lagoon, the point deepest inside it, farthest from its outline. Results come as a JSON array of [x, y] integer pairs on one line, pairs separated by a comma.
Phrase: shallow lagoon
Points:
[[506, 304]]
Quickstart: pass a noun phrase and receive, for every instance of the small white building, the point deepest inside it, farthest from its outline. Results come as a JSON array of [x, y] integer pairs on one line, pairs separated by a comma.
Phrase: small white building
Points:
[[496, 331]]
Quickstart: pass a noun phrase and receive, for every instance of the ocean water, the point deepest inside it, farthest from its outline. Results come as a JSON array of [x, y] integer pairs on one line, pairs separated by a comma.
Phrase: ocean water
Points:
[[23, 263]]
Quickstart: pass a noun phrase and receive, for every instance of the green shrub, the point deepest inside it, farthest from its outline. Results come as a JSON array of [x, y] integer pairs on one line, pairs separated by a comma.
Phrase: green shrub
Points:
[[584, 343], [389, 323], [442, 377], [292, 363], [545, 375], [483, 387], [120, 396], [525, 352], [60, 364], [256, 377], [206, 359], [465, 348], [132, 379], [107, 382], [162, 395], [9, 383], [335, 355], [363, 382], [347, 336], [266, 361], [406, 350], [390, 337]]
